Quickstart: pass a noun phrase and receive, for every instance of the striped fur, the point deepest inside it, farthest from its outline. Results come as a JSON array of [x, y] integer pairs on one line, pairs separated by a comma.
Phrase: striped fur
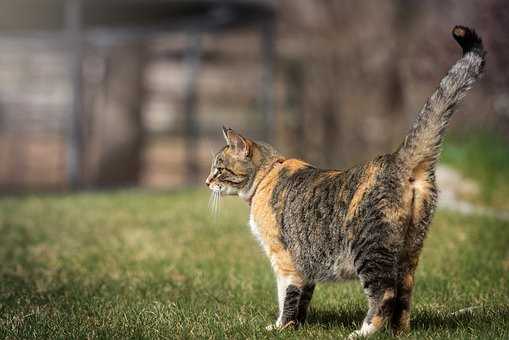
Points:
[[368, 222]]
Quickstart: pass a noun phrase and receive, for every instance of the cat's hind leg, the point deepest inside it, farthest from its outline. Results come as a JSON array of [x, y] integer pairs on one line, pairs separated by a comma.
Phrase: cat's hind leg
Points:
[[380, 310], [400, 322], [424, 202], [375, 261]]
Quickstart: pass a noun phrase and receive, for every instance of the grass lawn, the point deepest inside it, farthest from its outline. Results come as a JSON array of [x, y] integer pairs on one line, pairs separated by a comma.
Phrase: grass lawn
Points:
[[158, 265], [484, 157]]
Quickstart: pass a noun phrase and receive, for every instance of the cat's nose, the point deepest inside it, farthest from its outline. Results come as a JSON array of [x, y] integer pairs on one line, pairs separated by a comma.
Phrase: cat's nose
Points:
[[207, 181]]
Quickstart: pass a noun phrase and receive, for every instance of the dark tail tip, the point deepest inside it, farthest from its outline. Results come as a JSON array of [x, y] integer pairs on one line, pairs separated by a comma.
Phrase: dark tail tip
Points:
[[468, 40]]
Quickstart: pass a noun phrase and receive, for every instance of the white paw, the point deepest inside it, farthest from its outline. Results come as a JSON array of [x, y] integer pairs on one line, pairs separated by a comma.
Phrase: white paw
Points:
[[273, 327], [278, 326], [365, 331], [356, 335]]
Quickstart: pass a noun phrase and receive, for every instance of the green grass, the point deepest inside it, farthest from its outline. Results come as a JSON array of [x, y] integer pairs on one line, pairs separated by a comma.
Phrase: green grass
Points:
[[137, 264], [483, 157]]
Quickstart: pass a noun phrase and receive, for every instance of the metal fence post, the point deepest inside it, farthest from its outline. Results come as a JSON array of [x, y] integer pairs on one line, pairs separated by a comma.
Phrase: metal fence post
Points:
[[73, 27], [267, 82], [191, 129]]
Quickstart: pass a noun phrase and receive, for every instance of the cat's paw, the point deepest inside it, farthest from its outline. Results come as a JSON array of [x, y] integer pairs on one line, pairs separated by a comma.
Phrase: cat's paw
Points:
[[364, 332], [358, 334], [272, 327], [278, 326], [354, 335]]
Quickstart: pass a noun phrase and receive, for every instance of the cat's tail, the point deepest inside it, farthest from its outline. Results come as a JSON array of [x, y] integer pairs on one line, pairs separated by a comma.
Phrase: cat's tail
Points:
[[421, 147]]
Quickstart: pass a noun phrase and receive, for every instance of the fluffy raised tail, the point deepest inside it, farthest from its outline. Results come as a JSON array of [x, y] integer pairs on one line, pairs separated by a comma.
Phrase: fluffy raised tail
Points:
[[421, 147]]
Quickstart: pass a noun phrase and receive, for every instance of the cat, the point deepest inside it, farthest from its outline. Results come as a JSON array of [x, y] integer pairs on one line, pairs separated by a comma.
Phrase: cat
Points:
[[368, 222]]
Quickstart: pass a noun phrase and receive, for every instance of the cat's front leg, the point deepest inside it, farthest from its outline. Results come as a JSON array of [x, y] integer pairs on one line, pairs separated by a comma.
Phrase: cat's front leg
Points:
[[289, 295], [305, 299]]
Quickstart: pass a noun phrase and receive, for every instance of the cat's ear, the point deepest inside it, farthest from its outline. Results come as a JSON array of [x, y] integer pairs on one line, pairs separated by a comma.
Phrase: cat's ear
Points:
[[240, 145], [225, 134]]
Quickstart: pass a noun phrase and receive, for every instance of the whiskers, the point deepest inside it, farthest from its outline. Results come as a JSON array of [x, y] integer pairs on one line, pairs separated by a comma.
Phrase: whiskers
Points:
[[215, 202], [215, 196]]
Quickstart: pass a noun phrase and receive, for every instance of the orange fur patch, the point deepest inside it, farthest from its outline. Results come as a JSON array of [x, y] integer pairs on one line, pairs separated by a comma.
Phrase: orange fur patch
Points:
[[268, 227], [388, 294], [422, 189], [403, 323], [366, 183], [400, 214], [377, 321], [408, 281], [294, 164]]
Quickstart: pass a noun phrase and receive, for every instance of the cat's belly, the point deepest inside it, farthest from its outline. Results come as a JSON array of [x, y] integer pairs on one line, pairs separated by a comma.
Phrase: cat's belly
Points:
[[338, 266], [344, 269]]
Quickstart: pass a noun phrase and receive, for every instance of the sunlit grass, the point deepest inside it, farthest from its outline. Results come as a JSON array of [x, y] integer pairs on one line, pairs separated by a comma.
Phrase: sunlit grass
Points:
[[156, 265], [484, 157]]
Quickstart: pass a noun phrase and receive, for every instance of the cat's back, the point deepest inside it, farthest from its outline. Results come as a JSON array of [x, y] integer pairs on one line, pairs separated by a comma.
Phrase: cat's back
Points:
[[297, 193], [311, 213]]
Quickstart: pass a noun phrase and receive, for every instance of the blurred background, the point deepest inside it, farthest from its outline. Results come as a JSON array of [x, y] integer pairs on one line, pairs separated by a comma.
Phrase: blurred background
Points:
[[100, 95], [104, 94]]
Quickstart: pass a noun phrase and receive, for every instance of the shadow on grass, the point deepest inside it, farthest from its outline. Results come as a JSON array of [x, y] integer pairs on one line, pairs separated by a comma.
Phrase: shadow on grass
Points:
[[425, 320], [435, 320], [329, 319]]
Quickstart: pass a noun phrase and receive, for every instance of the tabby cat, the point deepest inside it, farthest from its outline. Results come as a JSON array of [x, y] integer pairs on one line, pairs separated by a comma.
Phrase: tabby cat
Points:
[[369, 221]]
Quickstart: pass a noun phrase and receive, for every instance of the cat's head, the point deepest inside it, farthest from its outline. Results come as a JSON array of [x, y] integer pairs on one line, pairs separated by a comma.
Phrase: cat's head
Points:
[[235, 166]]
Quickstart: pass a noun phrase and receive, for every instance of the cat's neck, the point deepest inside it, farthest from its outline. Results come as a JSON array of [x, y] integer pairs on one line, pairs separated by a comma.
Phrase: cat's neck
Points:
[[247, 195]]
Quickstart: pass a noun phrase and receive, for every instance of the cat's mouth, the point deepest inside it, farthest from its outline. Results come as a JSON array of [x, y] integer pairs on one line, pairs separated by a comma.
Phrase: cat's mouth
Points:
[[222, 190], [216, 189]]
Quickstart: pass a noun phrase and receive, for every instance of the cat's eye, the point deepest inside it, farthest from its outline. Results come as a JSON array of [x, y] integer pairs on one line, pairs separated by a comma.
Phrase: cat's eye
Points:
[[218, 171]]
